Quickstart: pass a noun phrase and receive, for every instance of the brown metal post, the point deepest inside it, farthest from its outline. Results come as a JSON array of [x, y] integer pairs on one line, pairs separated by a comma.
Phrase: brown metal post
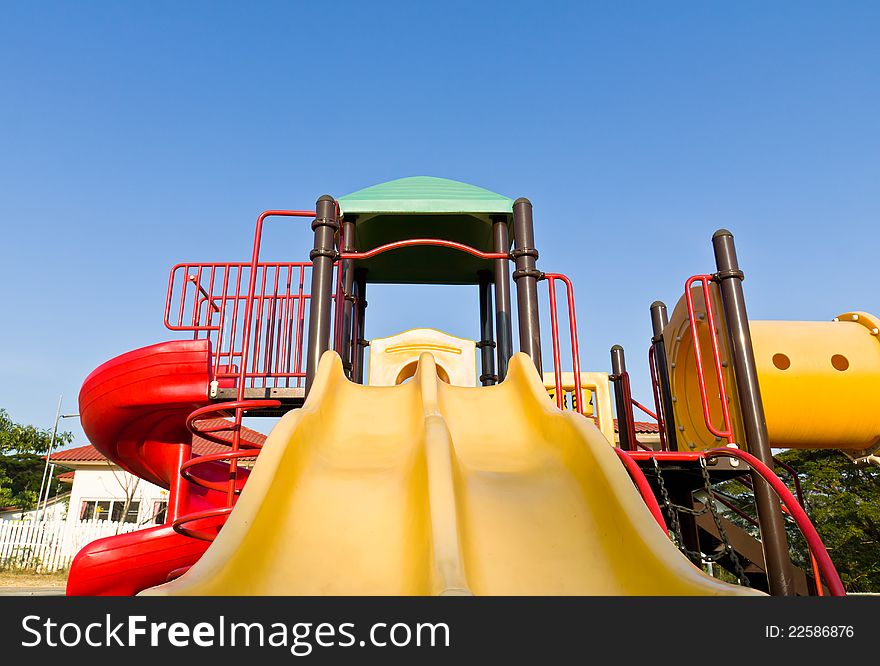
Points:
[[503, 323], [625, 425], [526, 277], [659, 320], [773, 537], [360, 280], [487, 337], [321, 302], [349, 245]]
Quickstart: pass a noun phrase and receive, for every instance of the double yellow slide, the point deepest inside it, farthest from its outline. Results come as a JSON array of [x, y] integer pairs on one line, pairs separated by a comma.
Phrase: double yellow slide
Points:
[[428, 489]]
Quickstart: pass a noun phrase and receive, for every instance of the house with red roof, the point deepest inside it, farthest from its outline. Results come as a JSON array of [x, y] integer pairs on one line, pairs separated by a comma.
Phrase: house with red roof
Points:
[[98, 489]]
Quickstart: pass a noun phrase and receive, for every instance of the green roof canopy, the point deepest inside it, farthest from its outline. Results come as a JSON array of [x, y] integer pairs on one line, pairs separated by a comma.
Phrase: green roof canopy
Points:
[[425, 194], [424, 207]]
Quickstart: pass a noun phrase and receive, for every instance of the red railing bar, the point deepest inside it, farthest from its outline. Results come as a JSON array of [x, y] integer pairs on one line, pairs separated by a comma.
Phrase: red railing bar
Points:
[[638, 477], [727, 433], [301, 324], [575, 347], [628, 400], [554, 334], [234, 456], [222, 323], [338, 310], [413, 242], [814, 541], [800, 497], [178, 525], [644, 409]]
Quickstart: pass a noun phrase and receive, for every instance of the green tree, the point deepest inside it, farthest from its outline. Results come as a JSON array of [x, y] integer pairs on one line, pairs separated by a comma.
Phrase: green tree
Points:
[[843, 502], [18, 438], [22, 448]]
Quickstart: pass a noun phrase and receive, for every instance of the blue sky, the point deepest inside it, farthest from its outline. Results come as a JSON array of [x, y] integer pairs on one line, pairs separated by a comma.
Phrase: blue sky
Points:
[[136, 136]]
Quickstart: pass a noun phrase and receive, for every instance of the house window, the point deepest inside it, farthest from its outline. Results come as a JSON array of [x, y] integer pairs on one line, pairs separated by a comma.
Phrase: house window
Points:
[[160, 511], [88, 511], [109, 510]]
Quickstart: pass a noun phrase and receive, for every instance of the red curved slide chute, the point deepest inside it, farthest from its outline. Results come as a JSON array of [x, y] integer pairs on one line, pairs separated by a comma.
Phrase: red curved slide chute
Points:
[[133, 409]]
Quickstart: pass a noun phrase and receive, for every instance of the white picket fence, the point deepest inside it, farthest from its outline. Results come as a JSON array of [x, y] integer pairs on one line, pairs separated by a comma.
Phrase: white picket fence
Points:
[[47, 546]]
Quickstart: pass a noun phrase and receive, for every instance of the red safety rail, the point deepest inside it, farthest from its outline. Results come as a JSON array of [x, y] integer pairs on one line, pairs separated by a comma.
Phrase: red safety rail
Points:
[[644, 488], [208, 299], [260, 330], [814, 542], [418, 242], [552, 278], [239, 450], [705, 281], [799, 493]]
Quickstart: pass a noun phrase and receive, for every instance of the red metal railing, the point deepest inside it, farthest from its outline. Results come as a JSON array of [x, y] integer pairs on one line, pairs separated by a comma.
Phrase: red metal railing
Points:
[[278, 340], [207, 299], [552, 278], [644, 488], [795, 510], [418, 242], [705, 281]]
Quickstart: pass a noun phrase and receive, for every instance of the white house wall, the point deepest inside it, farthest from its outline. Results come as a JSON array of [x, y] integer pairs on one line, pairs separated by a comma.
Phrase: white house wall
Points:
[[105, 483]]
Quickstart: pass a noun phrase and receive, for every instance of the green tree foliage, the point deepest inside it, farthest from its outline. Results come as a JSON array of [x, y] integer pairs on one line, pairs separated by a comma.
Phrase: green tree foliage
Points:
[[21, 460], [18, 438], [843, 502]]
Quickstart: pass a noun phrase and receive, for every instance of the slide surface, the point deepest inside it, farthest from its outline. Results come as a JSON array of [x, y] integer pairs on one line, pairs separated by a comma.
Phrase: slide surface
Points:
[[427, 489]]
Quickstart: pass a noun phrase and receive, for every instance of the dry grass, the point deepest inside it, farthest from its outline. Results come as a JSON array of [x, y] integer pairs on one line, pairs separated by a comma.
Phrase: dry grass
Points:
[[25, 579]]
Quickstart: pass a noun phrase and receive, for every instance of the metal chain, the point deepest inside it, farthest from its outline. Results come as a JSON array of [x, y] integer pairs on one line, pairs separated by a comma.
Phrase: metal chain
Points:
[[728, 548], [674, 509], [670, 508]]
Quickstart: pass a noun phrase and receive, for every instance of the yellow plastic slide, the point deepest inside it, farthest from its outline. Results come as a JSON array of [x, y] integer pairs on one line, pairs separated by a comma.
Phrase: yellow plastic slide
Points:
[[427, 489]]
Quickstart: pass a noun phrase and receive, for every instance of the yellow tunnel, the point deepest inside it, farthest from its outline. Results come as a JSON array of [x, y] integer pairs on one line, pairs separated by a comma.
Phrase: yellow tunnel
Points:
[[820, 381]]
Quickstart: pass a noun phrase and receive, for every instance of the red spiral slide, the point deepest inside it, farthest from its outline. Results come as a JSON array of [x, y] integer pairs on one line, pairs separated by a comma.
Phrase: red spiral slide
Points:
[[133, 410]]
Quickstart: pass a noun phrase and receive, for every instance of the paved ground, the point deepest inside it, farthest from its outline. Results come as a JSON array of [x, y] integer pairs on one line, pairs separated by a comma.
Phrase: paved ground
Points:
[[31, 591]]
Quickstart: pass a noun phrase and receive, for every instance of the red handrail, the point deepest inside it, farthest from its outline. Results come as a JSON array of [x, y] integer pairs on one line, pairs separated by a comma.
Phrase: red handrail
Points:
[[573, 333], [727, 433], [644, 409], [814, 541], [413, 242], [799, 493], [641, 481]]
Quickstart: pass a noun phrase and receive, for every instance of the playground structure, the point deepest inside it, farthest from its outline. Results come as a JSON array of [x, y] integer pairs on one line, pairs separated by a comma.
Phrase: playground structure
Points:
[[415, 475]]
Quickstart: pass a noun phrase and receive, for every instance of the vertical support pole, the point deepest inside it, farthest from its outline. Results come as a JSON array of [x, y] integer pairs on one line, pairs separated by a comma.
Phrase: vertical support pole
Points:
[[526, 277], [349, 245], [659, 320], [322, 257], [360, 280], [503, 323], [773, 537], [178, 491], [487, 336], [625, 426]]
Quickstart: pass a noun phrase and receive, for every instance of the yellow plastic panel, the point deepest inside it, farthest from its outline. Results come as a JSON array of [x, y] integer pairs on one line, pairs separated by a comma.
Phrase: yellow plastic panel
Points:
[[428, 488], [595, 383], [394, 359], [820, 381]]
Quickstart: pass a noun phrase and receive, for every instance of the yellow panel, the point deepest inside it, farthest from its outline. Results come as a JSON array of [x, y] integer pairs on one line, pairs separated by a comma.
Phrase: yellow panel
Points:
[[428, 488], [595, 383], [393, 359], [820, 381]]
